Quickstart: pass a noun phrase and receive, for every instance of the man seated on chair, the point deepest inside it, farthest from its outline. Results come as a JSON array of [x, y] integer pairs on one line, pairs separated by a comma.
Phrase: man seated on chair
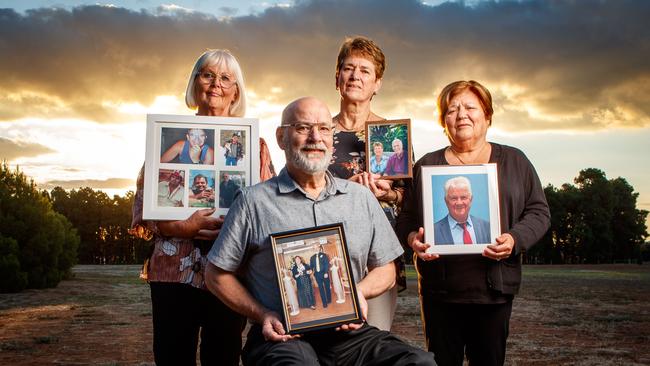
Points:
[[241, 270]]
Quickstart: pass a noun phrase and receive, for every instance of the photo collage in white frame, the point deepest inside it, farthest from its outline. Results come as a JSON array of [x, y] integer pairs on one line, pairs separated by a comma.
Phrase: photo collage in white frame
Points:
[[196, 162]]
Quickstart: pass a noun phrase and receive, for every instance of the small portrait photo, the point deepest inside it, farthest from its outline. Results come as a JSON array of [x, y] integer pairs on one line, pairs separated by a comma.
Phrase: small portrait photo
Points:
[[202, 190], [171, 190], [388, 148], [187, 146], [315, 279], [464, 208], [230, 181], [232, 146], [461, 211]]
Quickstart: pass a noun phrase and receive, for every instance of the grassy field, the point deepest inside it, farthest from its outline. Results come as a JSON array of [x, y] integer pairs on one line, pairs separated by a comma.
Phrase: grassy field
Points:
[[582, 315], [564, 315]]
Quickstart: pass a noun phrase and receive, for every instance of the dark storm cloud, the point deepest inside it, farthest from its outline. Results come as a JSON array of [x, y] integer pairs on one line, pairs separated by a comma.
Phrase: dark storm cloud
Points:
[[10, 150], [574, 64]]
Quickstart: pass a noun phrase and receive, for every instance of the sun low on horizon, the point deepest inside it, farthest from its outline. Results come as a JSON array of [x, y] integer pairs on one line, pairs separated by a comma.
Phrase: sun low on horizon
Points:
[[82, 76]]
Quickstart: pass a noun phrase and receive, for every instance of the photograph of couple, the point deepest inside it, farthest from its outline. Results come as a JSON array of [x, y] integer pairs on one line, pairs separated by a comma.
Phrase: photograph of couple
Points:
[[315, 281]]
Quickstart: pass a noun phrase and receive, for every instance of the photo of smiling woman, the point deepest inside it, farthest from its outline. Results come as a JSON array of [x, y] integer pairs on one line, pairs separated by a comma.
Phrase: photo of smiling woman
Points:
[[192, 148]]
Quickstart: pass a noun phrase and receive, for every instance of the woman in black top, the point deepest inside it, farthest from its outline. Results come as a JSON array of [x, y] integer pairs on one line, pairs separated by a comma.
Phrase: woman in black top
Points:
[[360, 67], [467, 299]]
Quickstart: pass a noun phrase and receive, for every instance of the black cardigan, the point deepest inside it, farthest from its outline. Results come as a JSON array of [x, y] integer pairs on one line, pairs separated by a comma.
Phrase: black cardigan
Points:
[[524, 214]]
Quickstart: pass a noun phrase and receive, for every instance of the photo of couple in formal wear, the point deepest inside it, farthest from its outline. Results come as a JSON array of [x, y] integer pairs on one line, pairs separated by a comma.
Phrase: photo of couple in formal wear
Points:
[[315, 280]]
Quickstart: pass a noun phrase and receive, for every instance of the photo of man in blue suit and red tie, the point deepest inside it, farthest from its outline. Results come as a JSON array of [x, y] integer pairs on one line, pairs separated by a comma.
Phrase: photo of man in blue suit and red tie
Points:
[[458, 226]]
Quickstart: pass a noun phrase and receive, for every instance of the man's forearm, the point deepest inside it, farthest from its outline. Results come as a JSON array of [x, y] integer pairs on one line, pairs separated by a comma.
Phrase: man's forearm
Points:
[[227, 287], [378, 281]]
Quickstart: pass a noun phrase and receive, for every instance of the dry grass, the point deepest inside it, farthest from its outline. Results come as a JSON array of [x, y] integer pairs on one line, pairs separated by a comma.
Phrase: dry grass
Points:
[[565, 315]]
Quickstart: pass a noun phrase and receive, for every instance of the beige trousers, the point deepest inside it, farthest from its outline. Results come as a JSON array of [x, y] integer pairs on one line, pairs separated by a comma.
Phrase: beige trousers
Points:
[[381, 309]]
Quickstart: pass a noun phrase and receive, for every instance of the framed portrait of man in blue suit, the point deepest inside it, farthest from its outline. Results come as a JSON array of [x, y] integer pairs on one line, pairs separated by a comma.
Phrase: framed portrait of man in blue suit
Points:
[[461, 208]]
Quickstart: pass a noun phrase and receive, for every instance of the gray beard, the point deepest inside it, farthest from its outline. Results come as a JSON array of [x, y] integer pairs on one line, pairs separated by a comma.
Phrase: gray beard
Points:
[[301, 161]]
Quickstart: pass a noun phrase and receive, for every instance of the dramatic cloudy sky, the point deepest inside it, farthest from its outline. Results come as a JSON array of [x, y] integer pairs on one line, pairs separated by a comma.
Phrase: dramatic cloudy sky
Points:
[[570, 79]]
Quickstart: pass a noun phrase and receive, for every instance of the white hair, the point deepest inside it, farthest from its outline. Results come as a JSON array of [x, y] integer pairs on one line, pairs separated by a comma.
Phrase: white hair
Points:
[[222, 59], [458, 182]]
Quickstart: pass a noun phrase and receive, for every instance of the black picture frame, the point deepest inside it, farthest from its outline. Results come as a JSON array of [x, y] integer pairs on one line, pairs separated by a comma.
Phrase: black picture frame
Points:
[[296, 283]]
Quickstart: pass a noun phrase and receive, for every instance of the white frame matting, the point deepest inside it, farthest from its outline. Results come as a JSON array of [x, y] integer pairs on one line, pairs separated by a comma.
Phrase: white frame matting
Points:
[[249, 165], [488, 193]]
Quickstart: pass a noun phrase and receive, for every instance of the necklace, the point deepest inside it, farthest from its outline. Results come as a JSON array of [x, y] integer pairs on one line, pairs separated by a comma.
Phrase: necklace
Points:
[[341, 127], [453, 152], [346, 129]]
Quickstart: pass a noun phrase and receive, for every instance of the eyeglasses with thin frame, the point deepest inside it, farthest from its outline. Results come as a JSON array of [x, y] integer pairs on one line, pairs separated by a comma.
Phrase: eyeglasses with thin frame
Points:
[[207, 77], [302, 128]]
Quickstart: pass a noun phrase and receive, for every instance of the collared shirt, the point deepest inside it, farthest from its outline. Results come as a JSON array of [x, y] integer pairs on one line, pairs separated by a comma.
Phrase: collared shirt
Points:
[[457, 230], [234, 150], [378, 168], [397, 165], [280, 204], [167, 198], [175, 259]]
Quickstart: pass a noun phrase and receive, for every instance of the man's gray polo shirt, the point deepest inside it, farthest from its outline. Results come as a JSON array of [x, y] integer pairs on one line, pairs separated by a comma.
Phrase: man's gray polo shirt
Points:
[[279, 204]]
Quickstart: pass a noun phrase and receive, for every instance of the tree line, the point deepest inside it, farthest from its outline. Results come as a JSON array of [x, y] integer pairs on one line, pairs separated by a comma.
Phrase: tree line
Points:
[[38, 245], [594, 220], [103, 225], [43, 234]]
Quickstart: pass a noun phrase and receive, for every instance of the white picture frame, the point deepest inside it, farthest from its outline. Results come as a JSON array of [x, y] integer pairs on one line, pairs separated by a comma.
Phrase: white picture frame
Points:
[[441, 231], [228, 145]]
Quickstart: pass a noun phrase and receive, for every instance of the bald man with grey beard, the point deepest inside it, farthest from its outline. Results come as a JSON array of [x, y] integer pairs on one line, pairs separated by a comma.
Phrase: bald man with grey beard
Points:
[[304, 195]]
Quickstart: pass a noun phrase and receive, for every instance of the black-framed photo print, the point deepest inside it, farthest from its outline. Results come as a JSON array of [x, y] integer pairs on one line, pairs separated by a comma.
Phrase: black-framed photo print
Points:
[[315, 278], [461, 208], [388, 148], [196, 162]]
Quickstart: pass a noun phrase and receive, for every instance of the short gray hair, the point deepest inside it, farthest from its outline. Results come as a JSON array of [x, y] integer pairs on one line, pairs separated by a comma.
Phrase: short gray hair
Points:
[[458, 182], [220, 58]]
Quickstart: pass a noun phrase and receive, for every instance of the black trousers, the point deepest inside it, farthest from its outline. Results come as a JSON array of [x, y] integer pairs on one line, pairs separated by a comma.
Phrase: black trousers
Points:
[[478, 330], [324, 289], [366, 346], [180, 314]]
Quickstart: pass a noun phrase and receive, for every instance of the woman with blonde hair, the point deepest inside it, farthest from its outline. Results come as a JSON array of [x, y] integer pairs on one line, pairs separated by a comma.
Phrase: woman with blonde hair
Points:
[[182, 308]]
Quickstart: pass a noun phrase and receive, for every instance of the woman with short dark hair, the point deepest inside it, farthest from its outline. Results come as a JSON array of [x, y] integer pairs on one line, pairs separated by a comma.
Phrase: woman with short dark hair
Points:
[[467, 299]]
